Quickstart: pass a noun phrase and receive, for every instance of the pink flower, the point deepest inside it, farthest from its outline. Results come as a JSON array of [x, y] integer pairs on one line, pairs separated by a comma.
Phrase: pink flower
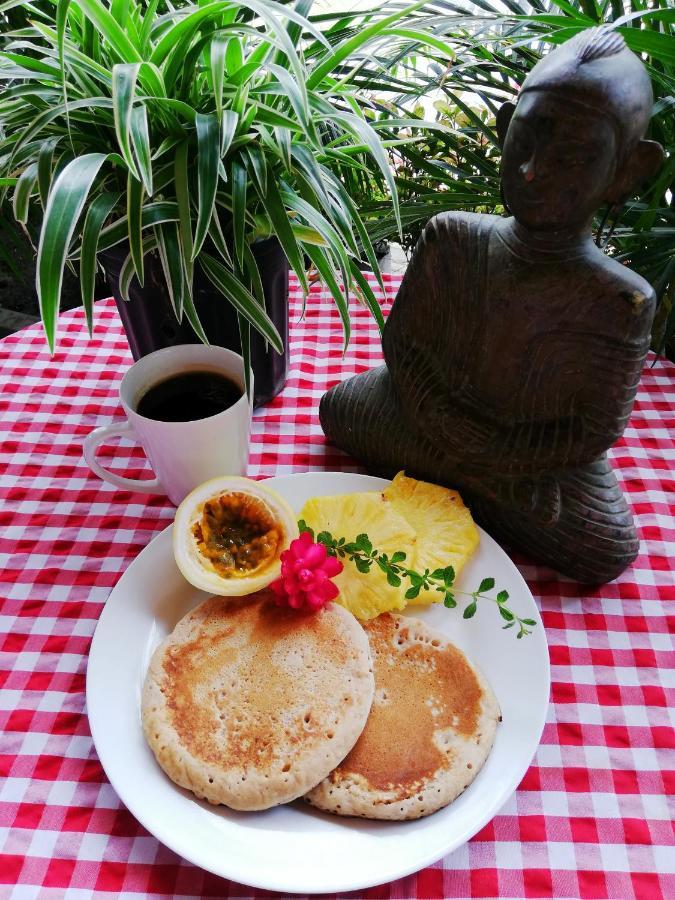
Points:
[[306, 572]]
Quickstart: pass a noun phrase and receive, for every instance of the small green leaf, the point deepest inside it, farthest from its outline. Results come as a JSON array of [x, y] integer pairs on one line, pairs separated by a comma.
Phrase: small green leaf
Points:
[[448, 576], [393, 580], [398, 557], [528, 622], [502, 596], [412, 592], [486, 585], [506, 614], [449, 600], [324, 537], [508, 625], [470, 610], [363, 565], [363, 543]]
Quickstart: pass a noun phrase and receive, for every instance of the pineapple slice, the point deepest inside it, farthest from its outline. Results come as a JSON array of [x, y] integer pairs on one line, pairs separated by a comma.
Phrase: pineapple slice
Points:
[[365, 595], [446, 534]]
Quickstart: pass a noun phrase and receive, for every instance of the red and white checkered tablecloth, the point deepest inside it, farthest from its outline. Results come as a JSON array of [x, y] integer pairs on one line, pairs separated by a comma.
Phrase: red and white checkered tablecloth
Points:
[[591, 817]]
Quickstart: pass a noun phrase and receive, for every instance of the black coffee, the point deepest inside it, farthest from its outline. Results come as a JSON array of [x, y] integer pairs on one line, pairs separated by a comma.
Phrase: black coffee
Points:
[[189, 396]]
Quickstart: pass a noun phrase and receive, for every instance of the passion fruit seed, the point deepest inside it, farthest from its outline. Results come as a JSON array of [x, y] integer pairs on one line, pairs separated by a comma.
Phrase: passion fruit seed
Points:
[[237, 533]]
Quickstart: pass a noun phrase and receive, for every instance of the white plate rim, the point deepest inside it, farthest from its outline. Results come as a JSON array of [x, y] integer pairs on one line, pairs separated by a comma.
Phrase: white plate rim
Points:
[[168, 837]]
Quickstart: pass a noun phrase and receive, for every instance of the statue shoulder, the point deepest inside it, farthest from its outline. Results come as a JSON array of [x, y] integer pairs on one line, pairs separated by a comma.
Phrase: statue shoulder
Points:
[[635, 298], [438, 307], [455, 228]]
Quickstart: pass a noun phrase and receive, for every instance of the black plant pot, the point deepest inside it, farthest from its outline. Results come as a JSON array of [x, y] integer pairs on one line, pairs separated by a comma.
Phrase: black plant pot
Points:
[[150, 323]]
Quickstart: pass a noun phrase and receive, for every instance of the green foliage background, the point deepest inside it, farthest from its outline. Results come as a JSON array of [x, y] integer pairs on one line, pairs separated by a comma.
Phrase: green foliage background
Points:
[[458, 167], [306, 103]]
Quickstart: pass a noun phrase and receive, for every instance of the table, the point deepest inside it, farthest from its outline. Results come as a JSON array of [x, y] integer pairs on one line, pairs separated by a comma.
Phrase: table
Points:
[[591, 817]]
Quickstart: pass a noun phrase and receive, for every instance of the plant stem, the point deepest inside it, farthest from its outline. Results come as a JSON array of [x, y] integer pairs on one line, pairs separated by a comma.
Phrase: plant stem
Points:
[[364, 556]]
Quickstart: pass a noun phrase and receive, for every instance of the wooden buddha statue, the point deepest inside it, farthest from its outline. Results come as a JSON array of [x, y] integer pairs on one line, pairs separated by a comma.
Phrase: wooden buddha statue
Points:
[[515, 346]]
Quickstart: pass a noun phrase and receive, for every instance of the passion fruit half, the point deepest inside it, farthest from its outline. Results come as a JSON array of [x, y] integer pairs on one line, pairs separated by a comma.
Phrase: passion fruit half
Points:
[[229, 534]]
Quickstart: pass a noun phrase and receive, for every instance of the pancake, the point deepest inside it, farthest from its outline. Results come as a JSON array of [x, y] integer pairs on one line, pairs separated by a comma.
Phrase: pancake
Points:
[[250, 704], [430, 729]]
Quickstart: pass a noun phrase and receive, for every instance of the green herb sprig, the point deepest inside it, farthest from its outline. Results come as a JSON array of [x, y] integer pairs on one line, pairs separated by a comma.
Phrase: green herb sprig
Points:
[[362, 553]]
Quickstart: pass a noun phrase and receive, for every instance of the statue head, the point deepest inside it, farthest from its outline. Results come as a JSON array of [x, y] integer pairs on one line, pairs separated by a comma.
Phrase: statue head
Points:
[[573, 141]]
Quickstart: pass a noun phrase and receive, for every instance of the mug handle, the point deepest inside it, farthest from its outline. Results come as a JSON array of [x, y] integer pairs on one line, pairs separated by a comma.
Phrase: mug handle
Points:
[[91, 443]]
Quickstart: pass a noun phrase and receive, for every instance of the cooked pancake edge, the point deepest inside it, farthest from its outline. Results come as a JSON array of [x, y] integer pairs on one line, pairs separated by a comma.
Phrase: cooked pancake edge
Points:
[[431, 728], [250, 705]]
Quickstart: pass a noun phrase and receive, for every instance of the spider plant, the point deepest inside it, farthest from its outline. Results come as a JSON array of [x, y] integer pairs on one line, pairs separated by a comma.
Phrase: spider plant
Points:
[[493, 49], [191, 132]]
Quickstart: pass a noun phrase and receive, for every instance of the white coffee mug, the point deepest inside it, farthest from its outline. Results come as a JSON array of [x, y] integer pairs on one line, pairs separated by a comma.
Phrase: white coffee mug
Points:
[[182, 454]]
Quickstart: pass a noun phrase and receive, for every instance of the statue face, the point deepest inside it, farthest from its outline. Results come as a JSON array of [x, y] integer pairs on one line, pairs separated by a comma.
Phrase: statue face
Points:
[[558, 162]]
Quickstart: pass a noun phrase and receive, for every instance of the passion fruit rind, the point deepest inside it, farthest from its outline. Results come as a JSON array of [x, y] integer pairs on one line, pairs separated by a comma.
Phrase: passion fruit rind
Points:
[[238, 534]]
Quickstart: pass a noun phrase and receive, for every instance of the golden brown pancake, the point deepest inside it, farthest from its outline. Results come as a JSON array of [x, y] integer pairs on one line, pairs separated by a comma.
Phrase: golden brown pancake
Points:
[[251, 705], [430, 729]]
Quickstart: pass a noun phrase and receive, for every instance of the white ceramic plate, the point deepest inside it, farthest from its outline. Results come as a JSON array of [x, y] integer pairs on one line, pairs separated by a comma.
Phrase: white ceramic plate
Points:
[[295, 848]]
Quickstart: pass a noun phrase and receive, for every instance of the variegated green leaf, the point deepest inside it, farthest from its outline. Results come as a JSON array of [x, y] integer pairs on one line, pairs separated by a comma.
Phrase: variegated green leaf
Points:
[[271, 201], [45, 164], [135, 223], [98, 211], [327, 273], [217, 60], [128, 269], [170, 256], [66, 200], [239, 179], [140, 139], [208, 156], [182, 182], [241, 298], [22, 192], [124, 78], [245, 340]]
